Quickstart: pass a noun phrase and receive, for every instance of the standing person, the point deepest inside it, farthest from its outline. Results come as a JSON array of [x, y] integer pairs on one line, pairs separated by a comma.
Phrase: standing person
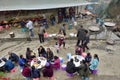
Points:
[[52, 20], [22, 24], [26, 72], [29, 25], [94, 63], [57, 47], [86, 41], [41, 34], [63, 29], [35, 73], [13, 57], [49, 55], [61, 40], [84, 71], [80, 35]]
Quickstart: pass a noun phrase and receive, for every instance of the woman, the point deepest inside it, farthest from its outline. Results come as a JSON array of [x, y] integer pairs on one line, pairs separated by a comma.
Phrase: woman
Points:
[[35, 73], [88, 58], [94, 63], [78, 50], [29, 54], [26, 72], [48, 72], [84, 71], [41, 51], [56, 64], [49, 55], [70, 67]]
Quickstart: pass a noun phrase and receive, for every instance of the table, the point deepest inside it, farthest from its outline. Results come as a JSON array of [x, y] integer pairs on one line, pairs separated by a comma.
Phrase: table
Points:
[[80, 58], [2, 63], [109, 26], [39, 62]]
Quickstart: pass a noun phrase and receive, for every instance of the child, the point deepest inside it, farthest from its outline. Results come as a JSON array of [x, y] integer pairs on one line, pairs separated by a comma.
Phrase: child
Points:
[[57, 47]]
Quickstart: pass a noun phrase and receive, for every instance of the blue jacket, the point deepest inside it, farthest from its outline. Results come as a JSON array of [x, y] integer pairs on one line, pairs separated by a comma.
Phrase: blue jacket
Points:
[[93, 64], [8, 65], [35, 73], [21, 61]]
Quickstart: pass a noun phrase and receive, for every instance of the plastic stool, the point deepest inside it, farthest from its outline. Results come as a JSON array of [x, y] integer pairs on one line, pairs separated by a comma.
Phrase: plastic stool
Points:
[[69, 75], [61, 60], [94, 71], [68, 56], [63, 67]]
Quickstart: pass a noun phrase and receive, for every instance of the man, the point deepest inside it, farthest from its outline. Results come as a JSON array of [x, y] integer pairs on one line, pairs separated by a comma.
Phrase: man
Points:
[[41, 33], [63, 29], [29, 25], [81, 35], [13, 57]]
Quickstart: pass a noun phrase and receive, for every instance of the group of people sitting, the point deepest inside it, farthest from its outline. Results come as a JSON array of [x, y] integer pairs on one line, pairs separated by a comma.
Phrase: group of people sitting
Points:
[[87, 66]]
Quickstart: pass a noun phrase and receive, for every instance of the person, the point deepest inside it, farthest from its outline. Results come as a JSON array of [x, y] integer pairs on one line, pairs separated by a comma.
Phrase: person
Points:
[[2, 63], [94, 63], [61, 40], [70, 67], [41, 51], [29, 54], [8, 64], [48, 72], [57, 47], [88, 58], [22, 24], [49, 55], [80, 35], [41, 33], [84, 70], [78, 50], [56, 64], [52, 20], [86, 41], [13, 57], [35, 73], [63, 29], [26, 72], [29, 25], [22, 61]]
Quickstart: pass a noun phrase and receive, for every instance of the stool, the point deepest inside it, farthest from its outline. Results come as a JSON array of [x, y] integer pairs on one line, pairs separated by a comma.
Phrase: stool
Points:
[[63, 67], [69, 56], [84, 55], [94, 71], [13, 70], [69, 75], [61, 60]]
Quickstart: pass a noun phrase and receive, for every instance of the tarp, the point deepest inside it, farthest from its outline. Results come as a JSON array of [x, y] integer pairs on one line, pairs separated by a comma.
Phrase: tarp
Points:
[[8, 5]]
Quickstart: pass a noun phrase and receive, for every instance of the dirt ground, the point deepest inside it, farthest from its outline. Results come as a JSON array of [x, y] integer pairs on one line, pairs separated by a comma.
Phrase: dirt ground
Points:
[[108, 68]]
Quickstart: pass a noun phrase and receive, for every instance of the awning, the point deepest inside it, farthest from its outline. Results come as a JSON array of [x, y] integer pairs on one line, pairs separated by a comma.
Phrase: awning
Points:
[[8, 5]]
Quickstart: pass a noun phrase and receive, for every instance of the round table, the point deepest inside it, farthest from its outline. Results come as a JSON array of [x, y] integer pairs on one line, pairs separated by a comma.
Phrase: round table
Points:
[[39, 62], [80, 58], [109, 26]]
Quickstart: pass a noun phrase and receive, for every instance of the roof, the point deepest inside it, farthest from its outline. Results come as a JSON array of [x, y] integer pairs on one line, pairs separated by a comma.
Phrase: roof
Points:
[[8, 5]]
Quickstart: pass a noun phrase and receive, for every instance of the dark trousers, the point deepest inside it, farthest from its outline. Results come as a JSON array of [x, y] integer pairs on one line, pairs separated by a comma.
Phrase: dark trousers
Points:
[[78, 42], [85, 46], [41, 37]]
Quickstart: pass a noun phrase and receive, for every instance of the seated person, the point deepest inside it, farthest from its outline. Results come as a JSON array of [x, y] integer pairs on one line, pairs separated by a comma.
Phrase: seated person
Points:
[[13, 57], [94, 62], [8, 65], [70, 67], [50, 55], [48, 71], [22, 61], [29, 54], [41, 51], [56, 64], [88, 58]]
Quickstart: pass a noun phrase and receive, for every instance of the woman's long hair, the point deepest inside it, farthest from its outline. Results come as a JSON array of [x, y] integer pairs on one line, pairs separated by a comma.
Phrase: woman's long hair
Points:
[[96, 56]]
